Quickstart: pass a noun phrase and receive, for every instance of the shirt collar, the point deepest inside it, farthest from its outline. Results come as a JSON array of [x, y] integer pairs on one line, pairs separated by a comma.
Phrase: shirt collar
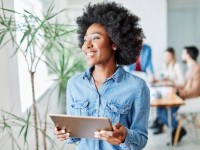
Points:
[[88, 73], [117, 76]]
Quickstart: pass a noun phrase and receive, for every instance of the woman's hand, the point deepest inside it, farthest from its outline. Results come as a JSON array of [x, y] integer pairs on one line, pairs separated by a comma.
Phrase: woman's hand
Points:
[[115, 137], [61, 134]]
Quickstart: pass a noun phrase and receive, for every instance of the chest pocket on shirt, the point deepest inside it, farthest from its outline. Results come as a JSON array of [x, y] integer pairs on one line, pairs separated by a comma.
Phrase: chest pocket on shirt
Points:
[[116, 111], [80, 108]]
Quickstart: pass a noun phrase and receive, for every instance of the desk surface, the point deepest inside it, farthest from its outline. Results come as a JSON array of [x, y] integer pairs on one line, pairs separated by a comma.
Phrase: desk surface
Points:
[[169, 101]]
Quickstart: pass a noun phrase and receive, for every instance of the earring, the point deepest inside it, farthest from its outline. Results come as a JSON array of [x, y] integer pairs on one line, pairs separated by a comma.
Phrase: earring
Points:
[[114, 48]]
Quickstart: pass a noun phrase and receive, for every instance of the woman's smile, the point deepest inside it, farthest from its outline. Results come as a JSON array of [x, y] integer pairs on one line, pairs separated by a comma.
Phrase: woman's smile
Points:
[[91, 54]]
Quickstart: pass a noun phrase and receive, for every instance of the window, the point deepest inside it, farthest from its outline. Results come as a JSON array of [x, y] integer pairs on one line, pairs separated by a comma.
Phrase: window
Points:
[[42, 79]]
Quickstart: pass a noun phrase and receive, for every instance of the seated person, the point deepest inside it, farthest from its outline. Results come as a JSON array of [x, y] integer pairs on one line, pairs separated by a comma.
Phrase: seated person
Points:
[[171, 71], [171, 74], [188, 90], [192, 85]]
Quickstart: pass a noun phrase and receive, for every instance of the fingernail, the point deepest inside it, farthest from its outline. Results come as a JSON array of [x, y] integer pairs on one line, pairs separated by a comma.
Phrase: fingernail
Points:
[[67, 134], [102, 131], [63, 131]]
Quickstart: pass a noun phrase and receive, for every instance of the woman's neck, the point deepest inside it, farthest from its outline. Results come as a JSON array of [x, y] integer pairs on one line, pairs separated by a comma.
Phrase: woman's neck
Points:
[[171, 63], [101, 73]]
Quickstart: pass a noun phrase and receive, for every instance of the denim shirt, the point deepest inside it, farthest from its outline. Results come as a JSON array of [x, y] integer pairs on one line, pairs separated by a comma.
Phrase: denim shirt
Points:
[[123, 98]]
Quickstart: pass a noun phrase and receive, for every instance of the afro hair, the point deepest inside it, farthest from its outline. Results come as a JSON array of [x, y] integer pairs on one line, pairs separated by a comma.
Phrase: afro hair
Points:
[[121, 26]]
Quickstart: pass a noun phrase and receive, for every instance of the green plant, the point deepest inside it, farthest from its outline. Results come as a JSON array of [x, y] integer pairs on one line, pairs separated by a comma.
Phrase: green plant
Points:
[[40, 37]]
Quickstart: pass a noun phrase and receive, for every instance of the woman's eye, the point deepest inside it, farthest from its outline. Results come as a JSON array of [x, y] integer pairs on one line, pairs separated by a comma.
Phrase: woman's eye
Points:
[[95, 37]]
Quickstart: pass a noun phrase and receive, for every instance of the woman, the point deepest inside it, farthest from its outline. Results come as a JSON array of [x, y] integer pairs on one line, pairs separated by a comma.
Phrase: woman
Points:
[[109, 36], [172, 75], [172, 71]]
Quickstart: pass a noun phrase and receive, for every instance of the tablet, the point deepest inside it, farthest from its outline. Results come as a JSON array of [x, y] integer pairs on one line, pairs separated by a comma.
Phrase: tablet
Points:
[[81, 126]]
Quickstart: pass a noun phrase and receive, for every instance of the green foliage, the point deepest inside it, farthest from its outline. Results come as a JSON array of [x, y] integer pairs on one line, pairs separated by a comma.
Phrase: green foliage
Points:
[[39, 39], [61, 64], [9, 122]]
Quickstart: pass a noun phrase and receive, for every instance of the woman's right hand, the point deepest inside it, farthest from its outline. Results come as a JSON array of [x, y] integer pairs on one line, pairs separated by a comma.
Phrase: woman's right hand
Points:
[[61, 134]]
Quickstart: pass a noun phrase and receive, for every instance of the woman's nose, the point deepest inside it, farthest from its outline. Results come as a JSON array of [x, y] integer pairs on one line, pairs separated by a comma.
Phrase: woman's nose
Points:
[[89, 45]]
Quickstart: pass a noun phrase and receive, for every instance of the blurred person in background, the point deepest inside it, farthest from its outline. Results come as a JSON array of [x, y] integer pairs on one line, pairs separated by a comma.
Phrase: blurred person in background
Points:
[[143, 63], [172, 74], [190, 89]]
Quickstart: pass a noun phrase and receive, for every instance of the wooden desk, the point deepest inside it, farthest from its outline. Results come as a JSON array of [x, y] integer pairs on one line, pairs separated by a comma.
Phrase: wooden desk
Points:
[[168, 102]]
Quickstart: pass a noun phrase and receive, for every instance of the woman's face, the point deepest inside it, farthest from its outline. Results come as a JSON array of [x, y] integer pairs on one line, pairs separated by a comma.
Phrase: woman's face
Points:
[[97, 46], [168, 57]]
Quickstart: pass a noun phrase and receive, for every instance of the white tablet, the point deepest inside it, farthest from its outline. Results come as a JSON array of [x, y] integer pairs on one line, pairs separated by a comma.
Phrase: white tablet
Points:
[[81, 126]]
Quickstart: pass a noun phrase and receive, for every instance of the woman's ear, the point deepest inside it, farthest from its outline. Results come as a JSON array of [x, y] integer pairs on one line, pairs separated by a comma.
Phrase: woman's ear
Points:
[[114, 47]]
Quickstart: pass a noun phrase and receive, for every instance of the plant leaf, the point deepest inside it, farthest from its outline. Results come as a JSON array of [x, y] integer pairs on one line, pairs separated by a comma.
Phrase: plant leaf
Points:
[[22, 128], [2, 37], [27, 127]]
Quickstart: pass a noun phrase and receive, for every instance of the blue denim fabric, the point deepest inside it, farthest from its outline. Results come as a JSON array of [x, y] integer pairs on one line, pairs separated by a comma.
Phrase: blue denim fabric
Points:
[[162, 114], [145, 61], [123, 98]]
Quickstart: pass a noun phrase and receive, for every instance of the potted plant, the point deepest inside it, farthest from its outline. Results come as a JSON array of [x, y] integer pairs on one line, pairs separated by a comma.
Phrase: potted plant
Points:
[[58, 57]]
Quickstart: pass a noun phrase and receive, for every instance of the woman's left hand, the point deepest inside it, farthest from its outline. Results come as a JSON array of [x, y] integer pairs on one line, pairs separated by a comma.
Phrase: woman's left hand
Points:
[[115, 137]]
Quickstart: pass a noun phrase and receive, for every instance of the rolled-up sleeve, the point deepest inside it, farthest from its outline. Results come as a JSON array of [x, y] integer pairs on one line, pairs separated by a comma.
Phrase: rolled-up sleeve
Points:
[[137, 134]]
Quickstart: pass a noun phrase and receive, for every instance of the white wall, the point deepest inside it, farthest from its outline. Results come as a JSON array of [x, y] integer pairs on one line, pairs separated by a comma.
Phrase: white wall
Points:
[[183, 24], [9, 85], [153, 15], [4, 81]]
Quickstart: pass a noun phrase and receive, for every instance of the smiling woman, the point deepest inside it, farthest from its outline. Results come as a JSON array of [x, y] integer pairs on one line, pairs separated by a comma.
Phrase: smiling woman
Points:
[[109, 36], [97, 46]]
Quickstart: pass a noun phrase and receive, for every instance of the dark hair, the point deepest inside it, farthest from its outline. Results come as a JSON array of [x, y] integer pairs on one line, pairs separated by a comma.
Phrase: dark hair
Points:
[[192, 51], [120, 25], [170, 50]]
